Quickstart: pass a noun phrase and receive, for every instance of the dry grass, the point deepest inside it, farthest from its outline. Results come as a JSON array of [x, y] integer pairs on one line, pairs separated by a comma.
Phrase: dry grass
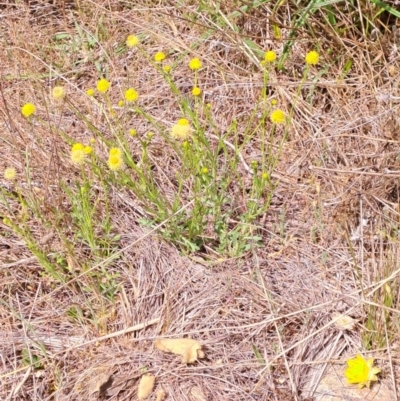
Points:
[[330, 237]]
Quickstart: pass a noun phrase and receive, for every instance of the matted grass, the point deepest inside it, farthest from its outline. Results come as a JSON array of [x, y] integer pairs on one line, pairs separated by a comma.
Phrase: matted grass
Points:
[[249, 237]]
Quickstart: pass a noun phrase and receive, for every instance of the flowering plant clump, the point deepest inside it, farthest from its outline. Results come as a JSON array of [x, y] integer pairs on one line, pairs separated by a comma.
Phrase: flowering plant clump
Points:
[[115, 160], [131, 95], [270, 56], [278, 117], [9, 173], [58, 92], [132, 41], [195, 64], [196, 91], [312, 58], [159, 56], [103, 85], [361, 371], [181, 130], [28, 109]]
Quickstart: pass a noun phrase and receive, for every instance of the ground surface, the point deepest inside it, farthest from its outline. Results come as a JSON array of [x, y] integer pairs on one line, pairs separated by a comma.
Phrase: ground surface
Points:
[[89, 282]]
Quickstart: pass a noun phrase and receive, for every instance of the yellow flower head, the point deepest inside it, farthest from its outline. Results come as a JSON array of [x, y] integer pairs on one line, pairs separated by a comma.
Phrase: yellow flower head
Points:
[[274, 102], [115, 160], [28, 109], [121, 103], [264, 176], [159, 56], [103, 85], [196, 91], [90, 92], [131, 95], [181, 130], [132, 132], [167, 68], [204, 170], [278, 117], [87, 150], [78, 153], [132, 41], [312, 58], [270, 56], [9, 173], [58, 92], [195, 64], [361, 371]]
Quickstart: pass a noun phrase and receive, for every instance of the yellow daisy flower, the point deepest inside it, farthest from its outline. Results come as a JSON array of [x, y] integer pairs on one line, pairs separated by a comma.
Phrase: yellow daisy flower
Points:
[[195, 64], [196, 91], [278, 117], [115, 160], [312, 58], [132, 41], [58, 92], [90, 92], [361, 371], [167, 68], [103, 85], [131, 95], [270, 56], [78, 153], [28, 109], [159, 56], [181, 130], [9, 173]]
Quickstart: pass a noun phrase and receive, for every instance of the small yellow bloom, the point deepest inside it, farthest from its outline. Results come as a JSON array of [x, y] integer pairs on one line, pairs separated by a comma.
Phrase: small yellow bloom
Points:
[[361, 371], [264, 176], [185, 145], [121, 103], [181, 130], [28, 109], [196, 91], [115, 160], [150, 135], [274, 102], [204, 170], [278, 117], [90, 92], [58, 92], [131, 95], [159, 56], [9, 173], [87, 150], [78, 153], [132, 132], [167, 68], [132, 41], [115, 152], [270, 56], [103, 85], [312, 58], [195, 64]]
